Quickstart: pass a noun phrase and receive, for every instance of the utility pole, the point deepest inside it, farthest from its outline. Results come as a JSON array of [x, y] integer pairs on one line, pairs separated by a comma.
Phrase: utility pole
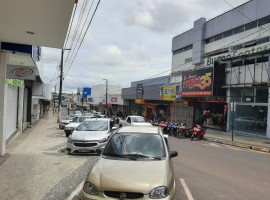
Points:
[[60, 86], [106, 95]]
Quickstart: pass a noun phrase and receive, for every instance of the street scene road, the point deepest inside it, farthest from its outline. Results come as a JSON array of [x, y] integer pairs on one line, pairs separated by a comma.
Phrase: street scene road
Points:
[[37, 167], [142, 99]]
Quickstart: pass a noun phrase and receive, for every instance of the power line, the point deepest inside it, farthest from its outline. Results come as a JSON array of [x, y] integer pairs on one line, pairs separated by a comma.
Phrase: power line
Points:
[[74, 49], [77, 27], [83, 36]]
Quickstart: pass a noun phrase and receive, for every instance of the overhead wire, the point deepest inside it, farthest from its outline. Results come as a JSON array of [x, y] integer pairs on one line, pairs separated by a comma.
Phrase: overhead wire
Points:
[[83, 37], [76, 30]]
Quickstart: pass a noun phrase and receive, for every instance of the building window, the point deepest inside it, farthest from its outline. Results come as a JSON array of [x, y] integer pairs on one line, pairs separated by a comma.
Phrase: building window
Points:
[[188, 60], [182, 49], [251, 26], [235, 94], [262, 95], [263, 21], [250, 43], [236, 47], [248, 95], [249, 61], [237, 63], [218, 37], [228, 34], [263, 40], [239, 30], [262, 59]]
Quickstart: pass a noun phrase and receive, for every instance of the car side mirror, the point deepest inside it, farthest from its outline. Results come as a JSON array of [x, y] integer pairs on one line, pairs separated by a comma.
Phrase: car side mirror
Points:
[[114, 128], [173, 154]]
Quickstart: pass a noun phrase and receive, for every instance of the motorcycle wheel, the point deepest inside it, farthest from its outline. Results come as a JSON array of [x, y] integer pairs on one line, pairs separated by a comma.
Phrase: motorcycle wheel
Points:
[[201, 137], [192, 136]]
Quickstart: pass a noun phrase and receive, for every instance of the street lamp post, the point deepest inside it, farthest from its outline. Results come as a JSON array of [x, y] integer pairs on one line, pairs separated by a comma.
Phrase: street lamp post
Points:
[[106, 95], [60, 86]]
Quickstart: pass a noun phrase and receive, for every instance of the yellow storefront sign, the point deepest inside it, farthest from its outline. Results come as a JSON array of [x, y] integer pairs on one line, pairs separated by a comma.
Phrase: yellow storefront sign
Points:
[[168, 93]]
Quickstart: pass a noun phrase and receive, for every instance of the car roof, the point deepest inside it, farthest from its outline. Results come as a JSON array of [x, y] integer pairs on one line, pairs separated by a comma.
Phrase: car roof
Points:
[[135, 116], [97, 119], [140, 129]]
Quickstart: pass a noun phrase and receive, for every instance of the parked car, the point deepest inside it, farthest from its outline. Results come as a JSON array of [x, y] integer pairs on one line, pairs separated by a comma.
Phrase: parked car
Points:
[[134, 120], [135, 164], [74, 124], [67, 120], [78, 112], [100, 114], [91, 135]]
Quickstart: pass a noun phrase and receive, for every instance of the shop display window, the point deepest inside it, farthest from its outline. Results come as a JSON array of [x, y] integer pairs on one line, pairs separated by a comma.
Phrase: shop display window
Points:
[[250, 120]]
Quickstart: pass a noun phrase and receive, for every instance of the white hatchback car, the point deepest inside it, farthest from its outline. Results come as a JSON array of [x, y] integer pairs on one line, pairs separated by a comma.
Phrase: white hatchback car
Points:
[[91, 135]]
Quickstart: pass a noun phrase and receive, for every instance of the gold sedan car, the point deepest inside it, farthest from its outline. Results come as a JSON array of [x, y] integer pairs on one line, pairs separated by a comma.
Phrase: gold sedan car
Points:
[[135, 164]]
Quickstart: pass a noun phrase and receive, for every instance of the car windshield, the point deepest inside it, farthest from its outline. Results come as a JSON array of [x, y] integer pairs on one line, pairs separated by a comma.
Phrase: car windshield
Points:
[[78, 119], [69, 118], [137, 144], [93, 126], [138, 119]]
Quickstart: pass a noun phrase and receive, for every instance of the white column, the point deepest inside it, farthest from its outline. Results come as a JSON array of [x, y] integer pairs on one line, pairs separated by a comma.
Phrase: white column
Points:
[[20, 109], [3, 101]]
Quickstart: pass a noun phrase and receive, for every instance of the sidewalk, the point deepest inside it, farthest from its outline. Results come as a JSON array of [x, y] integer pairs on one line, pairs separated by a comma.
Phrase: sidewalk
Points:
[[248, 142]]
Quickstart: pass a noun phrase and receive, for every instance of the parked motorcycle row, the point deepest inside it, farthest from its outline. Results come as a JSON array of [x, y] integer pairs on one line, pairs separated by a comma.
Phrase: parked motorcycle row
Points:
[[181, 130]]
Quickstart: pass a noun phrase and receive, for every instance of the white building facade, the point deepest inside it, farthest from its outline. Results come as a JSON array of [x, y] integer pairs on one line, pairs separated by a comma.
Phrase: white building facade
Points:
[[229, 54]]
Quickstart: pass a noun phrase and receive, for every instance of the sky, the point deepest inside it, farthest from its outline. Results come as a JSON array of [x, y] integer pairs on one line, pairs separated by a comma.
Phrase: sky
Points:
[[128, 40]]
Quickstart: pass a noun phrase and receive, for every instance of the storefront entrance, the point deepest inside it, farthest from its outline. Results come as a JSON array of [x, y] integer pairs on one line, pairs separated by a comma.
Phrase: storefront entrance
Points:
[[211, 115]]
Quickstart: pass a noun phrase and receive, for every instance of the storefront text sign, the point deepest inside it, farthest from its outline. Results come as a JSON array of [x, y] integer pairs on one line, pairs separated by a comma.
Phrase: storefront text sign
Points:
[[15, 82], [198, 83], [21, 72], [170, 92], [139, 91], [114, 99]]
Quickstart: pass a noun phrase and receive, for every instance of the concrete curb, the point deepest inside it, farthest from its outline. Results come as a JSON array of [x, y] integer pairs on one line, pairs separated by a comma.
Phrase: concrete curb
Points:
[[237, 144]]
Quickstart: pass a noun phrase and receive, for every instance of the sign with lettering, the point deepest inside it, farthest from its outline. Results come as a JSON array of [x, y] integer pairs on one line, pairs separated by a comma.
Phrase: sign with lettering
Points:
[[21, 72], [139, 91], [198, 83], [171, 92], [114, 99], [15, 82]]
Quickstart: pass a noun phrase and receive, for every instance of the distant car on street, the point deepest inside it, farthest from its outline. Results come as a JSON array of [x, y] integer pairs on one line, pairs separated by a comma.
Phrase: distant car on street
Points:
[[74, 124], [134, 120], [91, 135], [78, 112], [135, 164], [67, 120]]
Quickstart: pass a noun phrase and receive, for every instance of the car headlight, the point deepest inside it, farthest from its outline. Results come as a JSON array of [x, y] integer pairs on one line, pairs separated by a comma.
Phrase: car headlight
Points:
[[89, 188], [70, 140], [103, 140], [159, 192]]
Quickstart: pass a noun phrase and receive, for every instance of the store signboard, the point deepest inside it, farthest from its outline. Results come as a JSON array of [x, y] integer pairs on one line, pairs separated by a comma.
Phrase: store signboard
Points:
[[198, 83], [114, 99], [15, 82], [86, 92], [139, 91], [21, 72], [89, 99], [171, 92]]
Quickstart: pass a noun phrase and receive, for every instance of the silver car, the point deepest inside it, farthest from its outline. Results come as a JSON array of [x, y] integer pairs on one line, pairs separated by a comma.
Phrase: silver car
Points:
[[74, 124], [91, 135], [67, 120]]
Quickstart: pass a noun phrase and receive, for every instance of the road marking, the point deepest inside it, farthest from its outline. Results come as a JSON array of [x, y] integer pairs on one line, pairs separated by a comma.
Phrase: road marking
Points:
[[188, 193], [75, 192]]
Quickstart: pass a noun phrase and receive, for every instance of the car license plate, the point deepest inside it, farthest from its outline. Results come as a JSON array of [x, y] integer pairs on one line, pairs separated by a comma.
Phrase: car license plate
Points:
[[84, 150]]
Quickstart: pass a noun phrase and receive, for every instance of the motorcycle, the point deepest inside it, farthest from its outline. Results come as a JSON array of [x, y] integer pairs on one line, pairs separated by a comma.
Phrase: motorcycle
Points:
[[182, 130], [198, 132], [164, 126]]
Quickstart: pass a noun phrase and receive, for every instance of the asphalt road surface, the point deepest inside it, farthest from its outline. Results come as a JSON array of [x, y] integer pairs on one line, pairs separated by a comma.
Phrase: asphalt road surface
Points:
[[210, 171]]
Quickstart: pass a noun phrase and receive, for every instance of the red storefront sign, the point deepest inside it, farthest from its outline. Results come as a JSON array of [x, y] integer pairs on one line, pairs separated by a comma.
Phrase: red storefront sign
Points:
[[198, 83], [114, 99]]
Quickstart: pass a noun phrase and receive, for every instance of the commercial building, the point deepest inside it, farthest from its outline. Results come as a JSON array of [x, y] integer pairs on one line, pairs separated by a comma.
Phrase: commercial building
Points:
[[223, 65], [98, 97], [45, 24]]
